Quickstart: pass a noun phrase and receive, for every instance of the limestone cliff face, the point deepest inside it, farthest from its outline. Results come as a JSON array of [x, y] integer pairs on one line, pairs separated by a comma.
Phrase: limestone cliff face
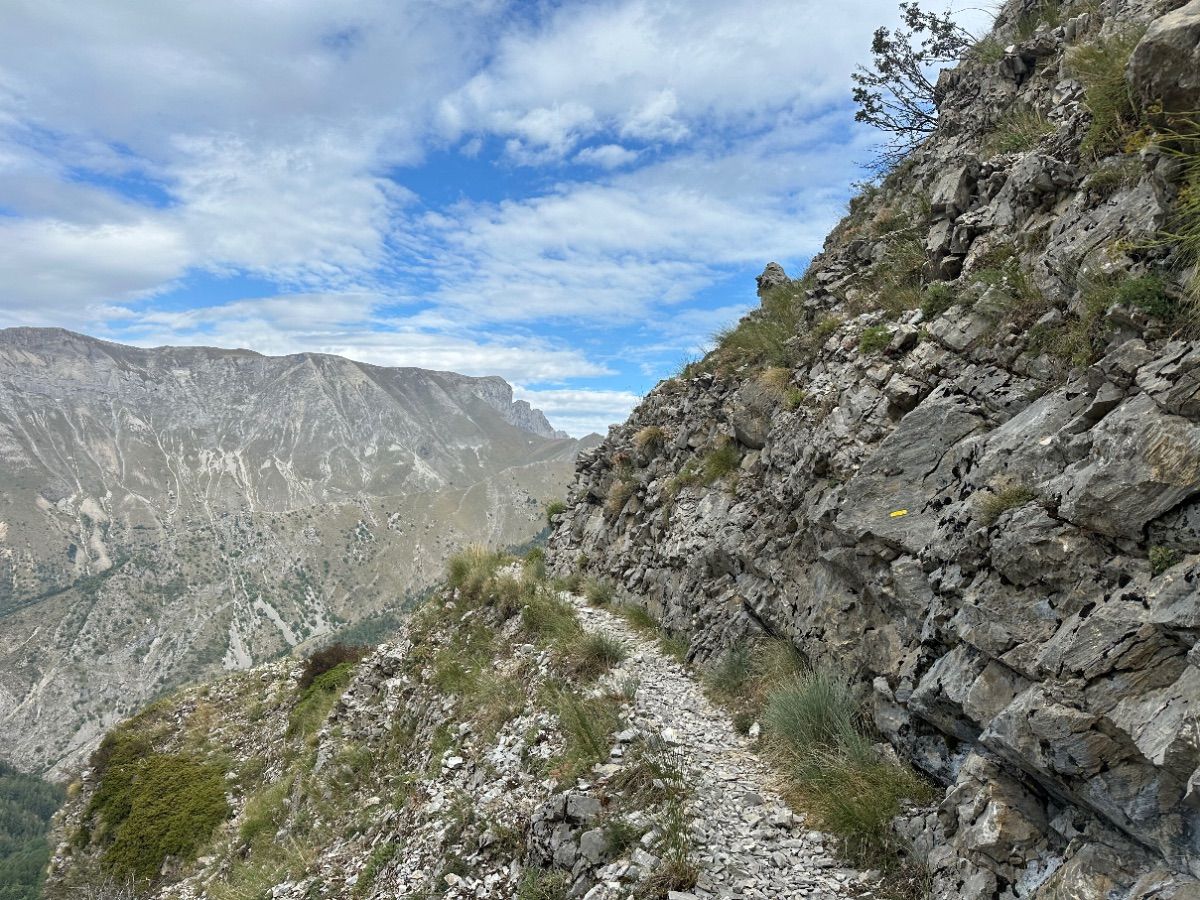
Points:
[[975, 480], [172, 512]]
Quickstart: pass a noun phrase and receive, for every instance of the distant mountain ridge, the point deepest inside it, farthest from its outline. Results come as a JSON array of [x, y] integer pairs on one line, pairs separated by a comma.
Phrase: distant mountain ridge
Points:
[[165, 512]]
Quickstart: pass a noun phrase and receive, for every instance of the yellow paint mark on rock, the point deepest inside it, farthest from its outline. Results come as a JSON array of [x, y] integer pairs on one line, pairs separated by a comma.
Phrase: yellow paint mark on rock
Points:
[[897, 513]]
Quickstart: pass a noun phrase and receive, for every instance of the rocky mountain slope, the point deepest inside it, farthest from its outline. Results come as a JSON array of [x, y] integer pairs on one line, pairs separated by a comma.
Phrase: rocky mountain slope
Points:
[[169, 513], [512, 742], [959, 459]]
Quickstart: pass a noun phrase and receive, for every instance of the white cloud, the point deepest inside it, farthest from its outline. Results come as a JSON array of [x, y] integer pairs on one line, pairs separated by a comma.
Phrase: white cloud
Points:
[[353, 325], [143, 143], [607, 156], [580, 412], [657, 71], [55, 271]]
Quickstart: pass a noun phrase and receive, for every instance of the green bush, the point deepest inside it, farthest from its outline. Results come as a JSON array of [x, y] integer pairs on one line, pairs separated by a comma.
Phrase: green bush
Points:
[[554, 508], [1100, 66], [1148, 293], [1163, 558], [874, 339], [327, 658], [157, 806]]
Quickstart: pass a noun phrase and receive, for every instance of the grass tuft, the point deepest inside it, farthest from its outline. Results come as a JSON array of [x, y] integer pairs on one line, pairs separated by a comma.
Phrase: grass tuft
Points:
[[1020, 129], [649, 439], [1100, 66], [995, 504]]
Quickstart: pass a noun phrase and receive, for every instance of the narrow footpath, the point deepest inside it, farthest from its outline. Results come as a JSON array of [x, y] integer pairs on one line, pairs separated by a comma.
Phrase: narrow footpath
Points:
[[747, 841]]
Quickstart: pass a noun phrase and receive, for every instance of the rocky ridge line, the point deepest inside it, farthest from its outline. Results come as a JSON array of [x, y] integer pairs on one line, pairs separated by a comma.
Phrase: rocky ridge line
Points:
[[970, 475]]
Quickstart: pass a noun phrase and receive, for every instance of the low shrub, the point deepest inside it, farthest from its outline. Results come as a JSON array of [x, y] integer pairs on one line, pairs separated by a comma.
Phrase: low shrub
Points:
[[161, 805], [1163, 558], [1149, 294], [328, 658], [554, 508]]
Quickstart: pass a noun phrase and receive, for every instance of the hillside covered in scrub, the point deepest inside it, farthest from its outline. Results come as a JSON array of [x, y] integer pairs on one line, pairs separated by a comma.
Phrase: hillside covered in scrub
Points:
[[958, 461], [516, 741]]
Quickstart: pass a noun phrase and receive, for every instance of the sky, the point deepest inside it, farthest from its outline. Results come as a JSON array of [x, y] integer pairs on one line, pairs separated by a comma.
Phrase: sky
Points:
[[572, 195]]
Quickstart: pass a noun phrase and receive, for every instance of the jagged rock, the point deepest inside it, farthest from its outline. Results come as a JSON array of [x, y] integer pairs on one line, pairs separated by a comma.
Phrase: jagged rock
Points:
[[772, 276], [1165, 65]]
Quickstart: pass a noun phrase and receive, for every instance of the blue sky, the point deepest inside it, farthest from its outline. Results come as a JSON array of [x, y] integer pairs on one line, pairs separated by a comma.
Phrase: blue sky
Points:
[[572, 195]]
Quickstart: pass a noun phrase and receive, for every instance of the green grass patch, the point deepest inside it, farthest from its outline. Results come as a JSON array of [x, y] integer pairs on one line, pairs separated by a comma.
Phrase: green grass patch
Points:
[[315, 701], [593, 654], [554, 508], [587, 724], [874, 339], [1182, 142], [649, 439], [763, 337], [544, 884]]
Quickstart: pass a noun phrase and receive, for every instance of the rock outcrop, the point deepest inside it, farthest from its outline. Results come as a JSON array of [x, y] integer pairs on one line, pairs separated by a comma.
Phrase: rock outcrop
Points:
[[971, 477]]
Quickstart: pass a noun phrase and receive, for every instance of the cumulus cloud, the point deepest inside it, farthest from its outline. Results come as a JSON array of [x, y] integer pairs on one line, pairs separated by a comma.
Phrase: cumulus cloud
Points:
[[627, 157], [355, 325], [580, 412]]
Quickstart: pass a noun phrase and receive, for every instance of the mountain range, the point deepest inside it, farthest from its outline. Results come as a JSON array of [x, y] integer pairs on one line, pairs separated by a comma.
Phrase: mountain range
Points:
[[172, 512]]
